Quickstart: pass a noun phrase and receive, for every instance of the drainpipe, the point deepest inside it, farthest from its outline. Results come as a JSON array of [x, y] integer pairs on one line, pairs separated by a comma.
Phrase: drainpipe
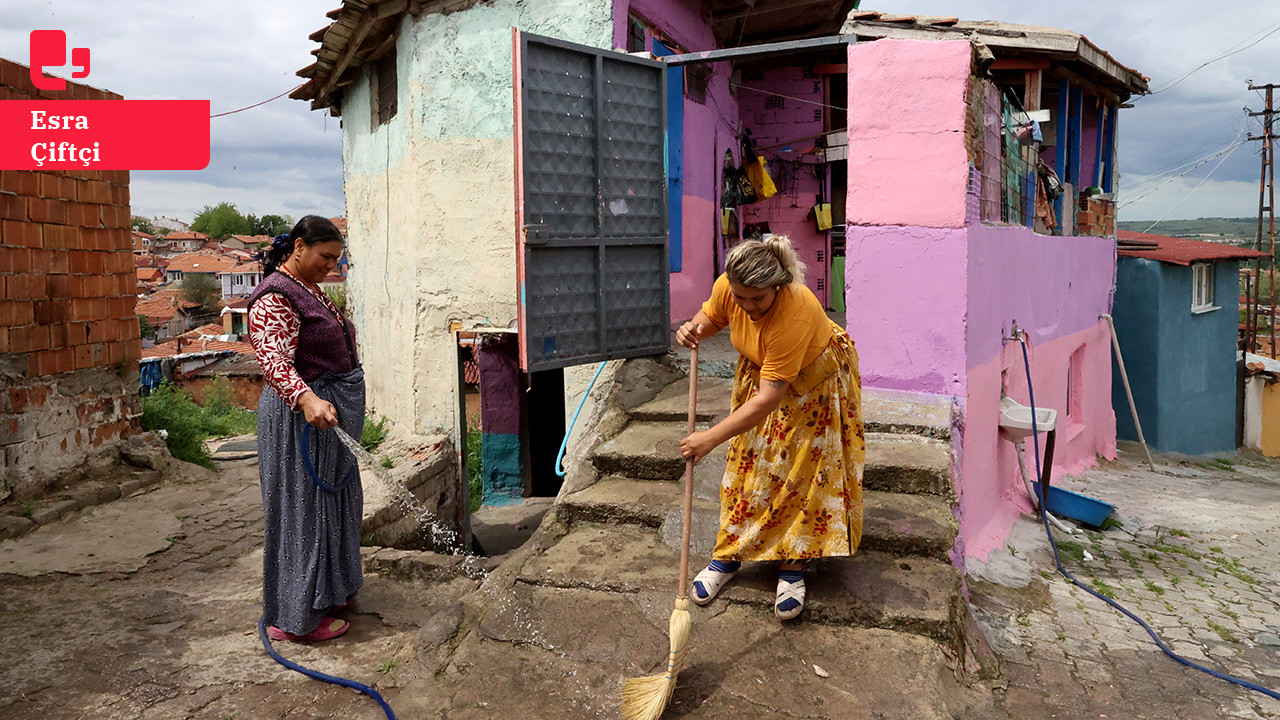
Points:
[[1115, 343]]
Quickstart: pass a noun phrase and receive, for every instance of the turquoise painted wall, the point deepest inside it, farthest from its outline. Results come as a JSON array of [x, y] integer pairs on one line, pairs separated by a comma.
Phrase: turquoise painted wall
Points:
[[1181, 364]]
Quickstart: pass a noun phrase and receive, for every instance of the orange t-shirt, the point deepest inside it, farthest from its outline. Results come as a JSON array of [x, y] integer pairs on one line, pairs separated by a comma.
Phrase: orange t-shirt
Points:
[[791, 335]]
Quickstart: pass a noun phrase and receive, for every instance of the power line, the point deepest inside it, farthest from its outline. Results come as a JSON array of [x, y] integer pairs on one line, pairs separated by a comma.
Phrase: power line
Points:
[[264, 102], [1273, 29], [1194, 189]]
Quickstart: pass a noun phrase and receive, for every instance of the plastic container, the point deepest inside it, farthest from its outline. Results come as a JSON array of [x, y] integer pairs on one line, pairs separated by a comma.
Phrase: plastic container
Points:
[[1078, 507]]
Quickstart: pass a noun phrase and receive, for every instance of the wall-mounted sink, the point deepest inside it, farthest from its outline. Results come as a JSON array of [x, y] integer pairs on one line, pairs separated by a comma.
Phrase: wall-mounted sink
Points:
[[1015, 419]]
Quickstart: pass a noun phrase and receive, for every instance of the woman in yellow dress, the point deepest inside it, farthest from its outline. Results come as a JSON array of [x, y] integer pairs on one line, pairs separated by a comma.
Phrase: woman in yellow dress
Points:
[[792, 488]]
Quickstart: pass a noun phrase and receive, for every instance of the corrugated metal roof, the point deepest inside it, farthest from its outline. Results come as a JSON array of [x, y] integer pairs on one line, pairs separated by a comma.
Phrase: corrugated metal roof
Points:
[[1180, 251]]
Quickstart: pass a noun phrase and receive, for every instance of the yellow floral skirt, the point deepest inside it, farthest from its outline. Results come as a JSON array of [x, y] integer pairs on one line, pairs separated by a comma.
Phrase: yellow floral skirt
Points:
[[792, 488]]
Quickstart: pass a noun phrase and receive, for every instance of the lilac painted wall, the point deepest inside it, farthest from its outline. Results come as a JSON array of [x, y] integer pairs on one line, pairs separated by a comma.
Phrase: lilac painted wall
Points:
[[905, 306]]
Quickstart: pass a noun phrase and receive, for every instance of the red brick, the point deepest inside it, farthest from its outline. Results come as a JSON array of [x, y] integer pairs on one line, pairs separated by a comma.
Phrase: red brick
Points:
[[132, 351], [29, 338], [122, 263], [48, 312], [50, 362], [20, 233], [84, 357], [64, 287], [115, 216], [59, 261], [47, 210], [122, 307], [61, 237], [57, 186], [122, 239], [4, 340], [117, 177], [22, 182], [24, 287], [95, 191], [85, 215], [15, 260], [87, 308], [14, 313], [12, 206], [119, 195]]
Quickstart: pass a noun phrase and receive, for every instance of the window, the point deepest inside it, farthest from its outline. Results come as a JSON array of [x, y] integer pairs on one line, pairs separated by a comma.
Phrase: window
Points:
[[383, 88], [1202, 287]]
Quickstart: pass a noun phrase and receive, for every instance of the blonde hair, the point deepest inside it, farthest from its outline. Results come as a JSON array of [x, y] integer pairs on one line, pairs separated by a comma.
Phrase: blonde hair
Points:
[[764, 264]]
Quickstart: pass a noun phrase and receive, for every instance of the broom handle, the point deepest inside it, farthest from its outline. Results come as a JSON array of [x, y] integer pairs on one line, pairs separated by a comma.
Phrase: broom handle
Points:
[[682, 587]]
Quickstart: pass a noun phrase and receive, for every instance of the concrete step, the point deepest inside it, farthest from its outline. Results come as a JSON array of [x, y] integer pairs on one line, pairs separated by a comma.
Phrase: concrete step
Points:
[[895, 462], [672, 404], [892, 522], [911, 413], [884, 411], [872, 589]]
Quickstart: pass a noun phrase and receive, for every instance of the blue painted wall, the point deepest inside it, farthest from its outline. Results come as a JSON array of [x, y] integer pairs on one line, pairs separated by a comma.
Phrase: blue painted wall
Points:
[[1181, 365]]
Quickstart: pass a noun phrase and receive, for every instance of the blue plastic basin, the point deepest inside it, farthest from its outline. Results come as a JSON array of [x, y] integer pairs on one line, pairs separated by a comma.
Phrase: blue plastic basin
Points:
[[1076, 506]]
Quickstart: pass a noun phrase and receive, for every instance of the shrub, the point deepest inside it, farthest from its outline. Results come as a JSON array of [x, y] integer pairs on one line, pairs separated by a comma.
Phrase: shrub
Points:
[[373, 433], [220, 415], [171, 409]]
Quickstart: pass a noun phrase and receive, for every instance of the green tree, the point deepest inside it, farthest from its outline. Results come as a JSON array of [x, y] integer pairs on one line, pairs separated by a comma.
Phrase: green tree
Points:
[[271, 225], [148, 330], [202, 289], [221, 221], [142, 224]]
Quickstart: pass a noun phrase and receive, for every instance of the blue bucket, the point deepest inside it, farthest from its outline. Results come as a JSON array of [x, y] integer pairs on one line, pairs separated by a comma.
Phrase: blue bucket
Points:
[[1082, 509]]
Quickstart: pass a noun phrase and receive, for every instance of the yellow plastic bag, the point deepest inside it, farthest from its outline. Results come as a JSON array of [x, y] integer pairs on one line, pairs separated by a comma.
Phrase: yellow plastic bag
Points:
[[758, 174], [822, 213]]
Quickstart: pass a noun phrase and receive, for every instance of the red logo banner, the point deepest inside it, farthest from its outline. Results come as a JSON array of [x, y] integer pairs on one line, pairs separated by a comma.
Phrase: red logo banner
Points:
[[104, 134]]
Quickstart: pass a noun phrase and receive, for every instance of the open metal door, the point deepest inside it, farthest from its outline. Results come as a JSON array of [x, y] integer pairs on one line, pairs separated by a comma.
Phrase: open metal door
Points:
[[591, 204]]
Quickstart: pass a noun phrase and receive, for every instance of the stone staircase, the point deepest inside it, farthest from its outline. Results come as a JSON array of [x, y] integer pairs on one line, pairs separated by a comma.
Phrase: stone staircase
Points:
[[622, 532]]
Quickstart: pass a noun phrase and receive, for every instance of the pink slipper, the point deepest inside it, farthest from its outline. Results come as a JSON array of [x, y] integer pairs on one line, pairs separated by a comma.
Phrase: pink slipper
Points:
[[328, 629]]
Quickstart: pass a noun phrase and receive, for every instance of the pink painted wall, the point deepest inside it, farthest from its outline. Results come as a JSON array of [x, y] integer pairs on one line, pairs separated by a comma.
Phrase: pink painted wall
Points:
[[790, 119], [907, 157], [707, 133], [932, 291]]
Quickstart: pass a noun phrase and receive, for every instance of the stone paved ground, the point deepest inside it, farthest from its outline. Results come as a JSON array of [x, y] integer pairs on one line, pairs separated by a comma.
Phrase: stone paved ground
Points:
[[1196, 559], [144, 609]]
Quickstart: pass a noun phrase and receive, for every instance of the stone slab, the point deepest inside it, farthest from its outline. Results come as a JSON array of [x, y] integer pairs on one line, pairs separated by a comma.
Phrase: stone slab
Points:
[[870, 589], [892, 522]]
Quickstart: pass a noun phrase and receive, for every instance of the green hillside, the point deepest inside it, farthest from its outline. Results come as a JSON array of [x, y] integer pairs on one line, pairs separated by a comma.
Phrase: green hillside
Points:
[[1237, 231]]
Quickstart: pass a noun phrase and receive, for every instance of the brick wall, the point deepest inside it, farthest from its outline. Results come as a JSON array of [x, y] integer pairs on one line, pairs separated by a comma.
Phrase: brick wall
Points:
[[69, 341]]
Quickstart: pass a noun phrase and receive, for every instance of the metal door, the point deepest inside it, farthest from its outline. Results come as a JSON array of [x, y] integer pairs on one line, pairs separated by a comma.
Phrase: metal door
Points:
[[591, 204]]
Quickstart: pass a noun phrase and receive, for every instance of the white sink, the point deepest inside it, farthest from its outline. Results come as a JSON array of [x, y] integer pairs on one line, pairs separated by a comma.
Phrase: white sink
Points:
[[1015, 419]]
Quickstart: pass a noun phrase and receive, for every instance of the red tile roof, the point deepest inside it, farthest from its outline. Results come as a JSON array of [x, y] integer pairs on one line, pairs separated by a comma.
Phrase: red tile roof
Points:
[[1179, 251], [169, 349], [341, 223], [201, 263], [149, 274], [186, 235]]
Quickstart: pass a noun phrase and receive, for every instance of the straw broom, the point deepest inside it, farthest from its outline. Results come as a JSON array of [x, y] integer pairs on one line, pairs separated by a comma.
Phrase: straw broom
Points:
[[645, 698]]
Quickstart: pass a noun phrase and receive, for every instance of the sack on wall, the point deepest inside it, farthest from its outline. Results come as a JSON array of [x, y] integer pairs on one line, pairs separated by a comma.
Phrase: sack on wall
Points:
[[822, 214], [758, 174]]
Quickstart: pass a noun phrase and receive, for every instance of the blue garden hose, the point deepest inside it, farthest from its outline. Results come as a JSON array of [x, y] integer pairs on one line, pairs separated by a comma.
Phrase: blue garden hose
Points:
[[1058, 560], [344, 682], [262, 621], [563, 443]]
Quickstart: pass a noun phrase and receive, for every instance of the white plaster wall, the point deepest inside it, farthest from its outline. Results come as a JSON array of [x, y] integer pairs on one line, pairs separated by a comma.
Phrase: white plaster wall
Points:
[[430, 198]]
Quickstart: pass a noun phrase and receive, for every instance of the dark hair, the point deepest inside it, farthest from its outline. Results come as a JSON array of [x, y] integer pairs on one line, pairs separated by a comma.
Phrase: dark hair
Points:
[[311, 229]]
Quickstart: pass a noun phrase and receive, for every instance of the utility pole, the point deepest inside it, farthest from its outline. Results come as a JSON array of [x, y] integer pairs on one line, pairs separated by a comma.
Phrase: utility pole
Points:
[[1267, 219]]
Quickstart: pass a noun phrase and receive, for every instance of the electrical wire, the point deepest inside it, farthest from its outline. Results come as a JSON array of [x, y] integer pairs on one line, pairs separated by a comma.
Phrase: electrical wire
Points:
[[1035, 440], [789, 97], [1140, 194], [1273, 30], [1194, 189], [264, 102]]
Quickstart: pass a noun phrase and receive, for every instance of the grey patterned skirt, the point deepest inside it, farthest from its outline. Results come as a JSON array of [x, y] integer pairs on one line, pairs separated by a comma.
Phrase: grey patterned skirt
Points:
[[311, 550]]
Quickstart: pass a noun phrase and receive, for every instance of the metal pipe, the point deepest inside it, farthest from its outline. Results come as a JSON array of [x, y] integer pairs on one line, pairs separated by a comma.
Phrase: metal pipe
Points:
[[1115, 344]]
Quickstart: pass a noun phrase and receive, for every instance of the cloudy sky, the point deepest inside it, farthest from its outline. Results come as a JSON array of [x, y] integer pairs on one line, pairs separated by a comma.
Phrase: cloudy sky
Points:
[[283, 158], [280, 158]]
